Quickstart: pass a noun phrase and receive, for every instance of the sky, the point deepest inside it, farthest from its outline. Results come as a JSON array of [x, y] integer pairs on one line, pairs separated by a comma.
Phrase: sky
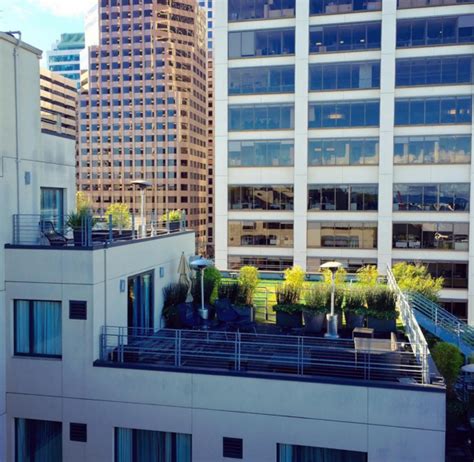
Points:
[[41, 22]]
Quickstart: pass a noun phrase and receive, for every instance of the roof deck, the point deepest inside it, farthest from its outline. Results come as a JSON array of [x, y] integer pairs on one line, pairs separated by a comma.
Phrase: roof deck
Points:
[[297, 357]]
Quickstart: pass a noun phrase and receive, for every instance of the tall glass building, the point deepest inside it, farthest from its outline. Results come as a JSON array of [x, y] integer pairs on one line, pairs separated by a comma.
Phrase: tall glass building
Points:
[[64, 57], [343, 131]]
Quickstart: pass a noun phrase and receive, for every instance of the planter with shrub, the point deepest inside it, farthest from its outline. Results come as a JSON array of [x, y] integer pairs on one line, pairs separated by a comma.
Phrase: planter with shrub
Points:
[[288, 309], [174, 295], [318, 301], [354, 307], [382, 309], [172, 219]]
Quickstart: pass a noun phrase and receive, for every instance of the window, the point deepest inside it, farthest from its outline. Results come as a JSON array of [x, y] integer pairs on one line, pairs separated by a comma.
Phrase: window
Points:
[[52, 206], [344, 37], [261, 117], [313, 264], [133, 445], [260, 233], [343, 6], [456, 307], [343, 151], [274, 153], [344, 76], [261, 43], [235, 262], [455, 274], [255, 80], [37, 326], [419, 3], [343, 197], [342, 235], [261, 197], [294, 453], [432, 149], [444, 197], [443, 70], [260, 9], [433, 111], [38, 441], [435, 31], [447, 236], [344, 114], [140, 301]]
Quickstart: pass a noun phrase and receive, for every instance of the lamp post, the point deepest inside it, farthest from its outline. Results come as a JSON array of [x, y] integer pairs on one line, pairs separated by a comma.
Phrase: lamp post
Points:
[[333, 266], [142, 185], [200, 265]]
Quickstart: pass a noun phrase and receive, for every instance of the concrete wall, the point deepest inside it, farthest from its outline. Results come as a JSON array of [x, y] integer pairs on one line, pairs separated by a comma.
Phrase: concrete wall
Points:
[[49, 160]]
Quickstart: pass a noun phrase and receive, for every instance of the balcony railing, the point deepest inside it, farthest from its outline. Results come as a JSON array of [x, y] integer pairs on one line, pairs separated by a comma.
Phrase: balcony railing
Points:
[[91, 231], [301, 357]]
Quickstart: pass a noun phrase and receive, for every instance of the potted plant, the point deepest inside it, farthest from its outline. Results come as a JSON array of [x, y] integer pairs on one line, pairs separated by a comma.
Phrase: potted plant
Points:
[[382, 309], [173, 220], [80, 222], [354, 307], [174, 295], [317, 305], [288, 309], [248, 282]]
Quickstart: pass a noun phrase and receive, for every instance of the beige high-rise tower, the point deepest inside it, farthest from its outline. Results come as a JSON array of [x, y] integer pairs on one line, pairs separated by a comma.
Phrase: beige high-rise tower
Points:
[[143, 114]]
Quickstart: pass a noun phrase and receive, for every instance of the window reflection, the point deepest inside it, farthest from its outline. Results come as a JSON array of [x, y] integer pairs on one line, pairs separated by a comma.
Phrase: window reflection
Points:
[[449, 236], [351, 265], [261, 117], [432, 150], [344, 76], [344, 114], [344, 37], [254, 80], [261, 197], [273, 153], [342, 235], [343, 197], [239, 10], [260, 233], [444, 197], [433, 111], [261, 43], [236, 262], [435, 31]]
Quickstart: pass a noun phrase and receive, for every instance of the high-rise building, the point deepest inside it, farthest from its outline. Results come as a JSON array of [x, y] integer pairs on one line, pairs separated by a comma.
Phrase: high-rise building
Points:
[[344, 131], [58, 100], [64, 57], [144, 114]]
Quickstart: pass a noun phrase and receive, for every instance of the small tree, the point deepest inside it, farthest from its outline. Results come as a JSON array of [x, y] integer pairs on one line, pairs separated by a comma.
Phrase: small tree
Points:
[[83, 201], [415, 278], [120, 215], [294, 277], [448, 360], [172, 215], [368, 275], [248, 280], [339, 277]]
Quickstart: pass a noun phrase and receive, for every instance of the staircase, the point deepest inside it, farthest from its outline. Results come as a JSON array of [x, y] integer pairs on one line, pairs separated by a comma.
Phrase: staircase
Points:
[[442, 323]]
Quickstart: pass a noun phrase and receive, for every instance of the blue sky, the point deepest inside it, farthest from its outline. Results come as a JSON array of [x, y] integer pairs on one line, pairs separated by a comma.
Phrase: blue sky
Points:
[[41, 22]]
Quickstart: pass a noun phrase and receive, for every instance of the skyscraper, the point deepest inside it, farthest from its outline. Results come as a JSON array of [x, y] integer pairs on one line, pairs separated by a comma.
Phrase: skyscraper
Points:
[[64, 57], [344, 130], [144, 114]]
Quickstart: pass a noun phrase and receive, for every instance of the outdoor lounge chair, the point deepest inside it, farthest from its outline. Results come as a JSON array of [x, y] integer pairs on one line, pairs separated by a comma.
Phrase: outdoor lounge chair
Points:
[[231, 318], [188, 317], [55, 238]]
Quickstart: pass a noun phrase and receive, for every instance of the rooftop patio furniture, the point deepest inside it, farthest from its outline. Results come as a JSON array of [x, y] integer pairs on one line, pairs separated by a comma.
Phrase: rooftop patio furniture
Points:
[[362, 332], [188, 317], [55, 238]]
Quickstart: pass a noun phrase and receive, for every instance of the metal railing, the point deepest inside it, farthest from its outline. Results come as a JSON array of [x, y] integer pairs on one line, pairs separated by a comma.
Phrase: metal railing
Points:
[[263, 354], [412, 328], [443, 324], [37, 229]]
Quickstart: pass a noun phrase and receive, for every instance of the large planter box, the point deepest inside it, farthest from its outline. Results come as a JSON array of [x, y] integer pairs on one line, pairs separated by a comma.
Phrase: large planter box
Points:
[[354, 320], [313, 322], [382, 325], [288, 320], [174, 226]]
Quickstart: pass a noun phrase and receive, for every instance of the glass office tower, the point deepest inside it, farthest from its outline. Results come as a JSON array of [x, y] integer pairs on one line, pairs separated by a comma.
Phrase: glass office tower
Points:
[[343, 131]]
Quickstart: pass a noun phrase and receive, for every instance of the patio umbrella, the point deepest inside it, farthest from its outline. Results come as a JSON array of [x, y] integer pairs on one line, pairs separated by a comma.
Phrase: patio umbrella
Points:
[[183, 270]]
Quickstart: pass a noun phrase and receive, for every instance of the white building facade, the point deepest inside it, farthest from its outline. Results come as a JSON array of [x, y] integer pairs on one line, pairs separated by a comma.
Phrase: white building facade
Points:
[[343, 131]]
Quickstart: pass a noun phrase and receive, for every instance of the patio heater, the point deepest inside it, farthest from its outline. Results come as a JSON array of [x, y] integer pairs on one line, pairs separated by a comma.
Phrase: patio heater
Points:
[[142, 185], [200, 265], [331, 318]]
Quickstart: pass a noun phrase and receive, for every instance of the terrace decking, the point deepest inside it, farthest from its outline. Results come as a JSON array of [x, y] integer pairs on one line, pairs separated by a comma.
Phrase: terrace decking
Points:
[[257, 354]]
